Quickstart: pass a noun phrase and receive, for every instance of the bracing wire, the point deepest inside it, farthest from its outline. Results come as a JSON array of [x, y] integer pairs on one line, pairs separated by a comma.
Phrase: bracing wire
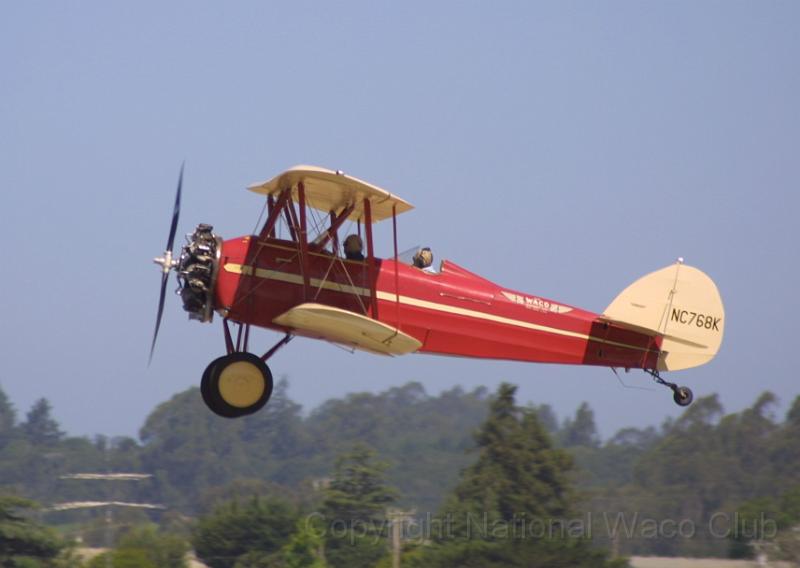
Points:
[[622, 383], [260, 216]]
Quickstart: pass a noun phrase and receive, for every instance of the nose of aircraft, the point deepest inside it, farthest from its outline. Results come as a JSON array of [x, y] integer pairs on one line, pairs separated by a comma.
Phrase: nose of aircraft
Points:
[[197, 270]]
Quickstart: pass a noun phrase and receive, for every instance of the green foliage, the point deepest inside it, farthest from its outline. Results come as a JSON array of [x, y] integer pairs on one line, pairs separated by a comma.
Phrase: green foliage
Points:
[[261, 525], [258, 559], [357, 491], [96, 532], [195, 453], [355, 550], [163, 550], [35, 453], [547, 418], [702, 463], [517, 470], [354, 510], [39, 427], [425, 438], [8, 419], [190, 449], [22, 541], [241, 490], [518, 554], [305, 548], [719, 472], [123, 558], [68, 558], [581, 430], [768, 519], [784, 448], [611, 466], [519, 480]]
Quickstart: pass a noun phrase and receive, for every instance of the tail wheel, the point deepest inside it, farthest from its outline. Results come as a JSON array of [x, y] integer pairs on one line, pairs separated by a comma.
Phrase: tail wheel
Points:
[[236, 385], [683, 396]]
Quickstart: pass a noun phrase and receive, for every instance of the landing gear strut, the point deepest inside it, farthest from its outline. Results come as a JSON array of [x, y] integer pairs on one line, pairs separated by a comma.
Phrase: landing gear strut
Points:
[[239, 383], [682, 396]]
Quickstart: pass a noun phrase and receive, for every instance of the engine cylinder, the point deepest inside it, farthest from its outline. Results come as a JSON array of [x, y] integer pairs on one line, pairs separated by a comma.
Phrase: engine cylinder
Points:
[[197, 272]]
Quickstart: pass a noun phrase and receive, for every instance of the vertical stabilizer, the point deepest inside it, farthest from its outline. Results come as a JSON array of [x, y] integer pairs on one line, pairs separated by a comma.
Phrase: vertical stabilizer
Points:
[[679, 303]]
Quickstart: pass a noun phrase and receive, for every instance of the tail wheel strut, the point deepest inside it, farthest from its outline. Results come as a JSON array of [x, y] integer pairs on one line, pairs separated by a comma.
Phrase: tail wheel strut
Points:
[[682, 396]]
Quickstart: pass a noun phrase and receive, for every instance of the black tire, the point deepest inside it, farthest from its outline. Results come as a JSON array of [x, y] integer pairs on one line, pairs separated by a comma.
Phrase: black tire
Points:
[[205, 387], [211, 386], [683, 396]]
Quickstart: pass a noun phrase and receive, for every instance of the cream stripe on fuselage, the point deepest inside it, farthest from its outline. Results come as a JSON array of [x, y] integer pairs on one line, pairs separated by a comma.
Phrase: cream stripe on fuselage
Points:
[[416, 302], [295, 279]]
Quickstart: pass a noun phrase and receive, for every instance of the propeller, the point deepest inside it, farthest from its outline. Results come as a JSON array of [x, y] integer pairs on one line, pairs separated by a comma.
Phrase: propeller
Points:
[[166, 262]]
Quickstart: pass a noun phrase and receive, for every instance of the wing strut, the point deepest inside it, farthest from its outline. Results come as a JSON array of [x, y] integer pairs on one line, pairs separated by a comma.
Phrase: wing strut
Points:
[[396, 262], [371, 259]]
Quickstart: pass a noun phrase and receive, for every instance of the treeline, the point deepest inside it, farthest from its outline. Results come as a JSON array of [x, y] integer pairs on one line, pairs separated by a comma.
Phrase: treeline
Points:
[[345, 519], [702, 485], [730, 479]]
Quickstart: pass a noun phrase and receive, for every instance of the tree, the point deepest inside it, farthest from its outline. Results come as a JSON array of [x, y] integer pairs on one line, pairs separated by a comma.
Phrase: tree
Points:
[[602, 469], [784, 448], [424, 437], [262, 525], [305, 547], [163, 550], [194, 453], [13, 447], [355, 505], [22, 541], [547, 418], [793, 416], [581, 431], [8, 419], [124, 558], [190, 449], [518, 485], [767, 519], [258, 559], [640, 439], [39, 427]]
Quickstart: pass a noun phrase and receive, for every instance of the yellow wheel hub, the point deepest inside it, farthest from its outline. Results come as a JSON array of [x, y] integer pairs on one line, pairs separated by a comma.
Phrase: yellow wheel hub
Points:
[[241, 384]]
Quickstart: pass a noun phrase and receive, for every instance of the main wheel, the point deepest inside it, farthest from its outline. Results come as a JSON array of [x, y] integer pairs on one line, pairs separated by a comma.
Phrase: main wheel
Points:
[[236, 385], [683, 396]]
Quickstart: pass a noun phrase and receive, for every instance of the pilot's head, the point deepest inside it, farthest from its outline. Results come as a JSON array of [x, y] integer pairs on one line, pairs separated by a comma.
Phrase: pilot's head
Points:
[[423, 258], [353, 247]]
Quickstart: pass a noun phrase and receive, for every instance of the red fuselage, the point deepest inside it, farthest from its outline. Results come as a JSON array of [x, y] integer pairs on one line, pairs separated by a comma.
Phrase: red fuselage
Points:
[[453, 312]]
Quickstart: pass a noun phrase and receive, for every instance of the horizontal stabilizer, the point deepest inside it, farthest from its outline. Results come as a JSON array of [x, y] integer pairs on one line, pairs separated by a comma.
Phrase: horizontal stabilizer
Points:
[[680, 304], [347, 328], [650, 332]]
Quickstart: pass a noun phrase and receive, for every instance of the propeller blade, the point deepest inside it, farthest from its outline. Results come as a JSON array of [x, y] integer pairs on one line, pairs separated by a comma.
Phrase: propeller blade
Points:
[[176, 212], [166, 261], [164, 278]]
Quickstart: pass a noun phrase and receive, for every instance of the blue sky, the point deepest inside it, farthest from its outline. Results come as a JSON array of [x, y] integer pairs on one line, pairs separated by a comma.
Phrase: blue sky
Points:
[[563, 149]]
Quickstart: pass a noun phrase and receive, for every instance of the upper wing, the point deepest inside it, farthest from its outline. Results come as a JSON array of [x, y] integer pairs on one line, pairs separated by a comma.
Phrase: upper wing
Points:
[[348, 328], [329, 190]]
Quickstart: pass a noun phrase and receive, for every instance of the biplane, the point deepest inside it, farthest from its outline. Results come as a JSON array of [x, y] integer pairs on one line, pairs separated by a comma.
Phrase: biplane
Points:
[[295, 278]]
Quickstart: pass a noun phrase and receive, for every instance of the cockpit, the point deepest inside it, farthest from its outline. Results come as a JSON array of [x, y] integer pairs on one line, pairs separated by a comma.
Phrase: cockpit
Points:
[[422, 258]]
